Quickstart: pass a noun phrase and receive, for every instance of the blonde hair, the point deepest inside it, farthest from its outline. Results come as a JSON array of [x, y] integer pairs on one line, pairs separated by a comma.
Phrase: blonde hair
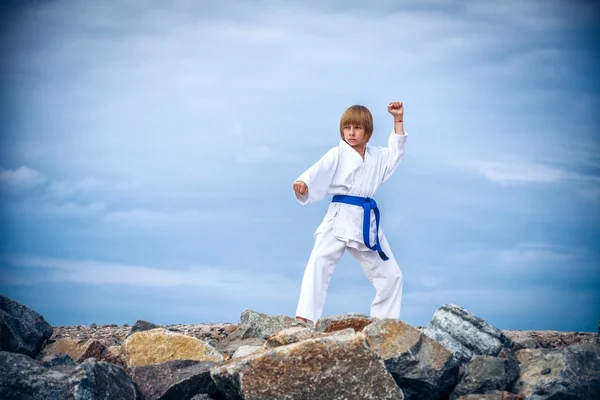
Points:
[[357, 115]]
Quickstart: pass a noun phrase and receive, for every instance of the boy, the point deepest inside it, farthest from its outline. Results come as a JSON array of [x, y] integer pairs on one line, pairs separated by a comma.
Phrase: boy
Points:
[[352, 172]]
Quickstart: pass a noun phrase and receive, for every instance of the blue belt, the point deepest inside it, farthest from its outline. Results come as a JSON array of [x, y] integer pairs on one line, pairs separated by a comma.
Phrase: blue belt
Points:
[[367, 204]]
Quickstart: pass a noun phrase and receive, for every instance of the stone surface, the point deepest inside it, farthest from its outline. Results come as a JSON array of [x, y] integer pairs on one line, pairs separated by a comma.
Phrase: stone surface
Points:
[[23, 378], [332, 367], [243, 351], [423, 368], [173, 380], [81, 350], [140, 325], [547, 339], [343, 321], [158, 345], [487, 374], [495, 396], [231, 343], [574, 373], [465, 334], [22, 330], [58, 360], [258, 325], [93, 380]]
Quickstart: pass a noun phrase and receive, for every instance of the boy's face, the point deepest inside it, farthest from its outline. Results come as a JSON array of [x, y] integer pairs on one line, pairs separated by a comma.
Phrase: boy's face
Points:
[[354, 135]]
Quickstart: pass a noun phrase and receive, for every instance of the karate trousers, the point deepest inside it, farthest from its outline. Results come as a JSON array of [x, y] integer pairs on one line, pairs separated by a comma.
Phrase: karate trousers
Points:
[[327, 252]]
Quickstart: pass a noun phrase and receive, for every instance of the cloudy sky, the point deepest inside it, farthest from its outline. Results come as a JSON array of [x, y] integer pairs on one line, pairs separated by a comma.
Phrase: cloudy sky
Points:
[[148, 151]]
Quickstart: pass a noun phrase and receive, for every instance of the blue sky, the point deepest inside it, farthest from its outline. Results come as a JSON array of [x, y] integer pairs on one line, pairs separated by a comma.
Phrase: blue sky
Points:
[[148, 151]]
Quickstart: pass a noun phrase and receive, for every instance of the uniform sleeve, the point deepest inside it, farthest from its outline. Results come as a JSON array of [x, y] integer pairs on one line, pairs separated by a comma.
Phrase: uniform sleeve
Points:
[[318, 178], [392, 155]]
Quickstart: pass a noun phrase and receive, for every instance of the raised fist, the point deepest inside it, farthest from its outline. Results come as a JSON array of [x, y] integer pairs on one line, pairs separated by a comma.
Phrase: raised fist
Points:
[[396, 108], [300, 188]]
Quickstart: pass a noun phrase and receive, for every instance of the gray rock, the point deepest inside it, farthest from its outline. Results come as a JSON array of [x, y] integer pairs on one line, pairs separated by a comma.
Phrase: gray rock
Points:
[[487, 375], [201, 397], [23, 378], [495, 396], [231, 343], [465, 334], [55, 360], [422, 368], [333, 367], [258, 325], [141, 325], [93, 380], [22, 330], [174, 380], [574, 373]]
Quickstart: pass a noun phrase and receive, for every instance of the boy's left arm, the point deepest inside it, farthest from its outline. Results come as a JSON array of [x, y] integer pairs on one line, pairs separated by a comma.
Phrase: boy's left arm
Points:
[[392, 155]]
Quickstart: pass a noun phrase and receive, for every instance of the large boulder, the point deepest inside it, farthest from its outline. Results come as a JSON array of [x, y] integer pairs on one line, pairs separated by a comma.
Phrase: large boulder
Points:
[[100, 380], [465, 334], [331, 367], [23, 378], [158, 345], [423, 368], [569, 373], [494, 396], [173, 380], [487, 375], [343, 321], [22, 330]]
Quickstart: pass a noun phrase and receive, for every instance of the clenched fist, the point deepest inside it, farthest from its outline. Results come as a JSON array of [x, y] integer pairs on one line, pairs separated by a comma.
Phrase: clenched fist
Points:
[[396, 108], [300, 188]]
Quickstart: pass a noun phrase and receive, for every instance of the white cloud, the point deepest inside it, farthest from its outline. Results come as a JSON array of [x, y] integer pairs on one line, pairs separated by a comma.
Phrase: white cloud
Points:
[[521, 172], [69, 188], [219, 280], [23, 178]]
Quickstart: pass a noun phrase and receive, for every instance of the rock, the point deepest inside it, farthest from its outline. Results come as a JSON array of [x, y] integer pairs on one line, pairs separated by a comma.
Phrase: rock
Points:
[[547, 339], [423, 368], [157, 345], [486, 375], [243, 351], [331, 367], [573, 373], [22, 330], [292, 335], [201, 397], [173, 380], [56, 360], [465, 334], [23, 378], [100, 380], [257, 325], [93, 326], [231, 343], [81, 351], [343, 321], [140, 325], [495, 396]]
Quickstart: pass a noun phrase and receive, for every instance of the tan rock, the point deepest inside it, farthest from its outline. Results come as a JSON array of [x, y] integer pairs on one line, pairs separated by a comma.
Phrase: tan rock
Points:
[[344, 321], [157, 345], [72, 347], [332, 367]]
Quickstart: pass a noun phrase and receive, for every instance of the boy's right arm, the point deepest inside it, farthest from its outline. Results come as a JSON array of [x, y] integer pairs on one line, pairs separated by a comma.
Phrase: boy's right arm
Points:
[[317, 178]]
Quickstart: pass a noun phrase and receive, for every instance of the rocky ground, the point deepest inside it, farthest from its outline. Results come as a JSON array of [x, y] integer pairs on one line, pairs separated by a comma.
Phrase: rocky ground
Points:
[[115, 334]]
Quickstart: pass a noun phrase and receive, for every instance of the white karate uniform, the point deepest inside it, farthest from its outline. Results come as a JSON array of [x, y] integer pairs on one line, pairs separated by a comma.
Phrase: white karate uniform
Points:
[[343, 171]]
